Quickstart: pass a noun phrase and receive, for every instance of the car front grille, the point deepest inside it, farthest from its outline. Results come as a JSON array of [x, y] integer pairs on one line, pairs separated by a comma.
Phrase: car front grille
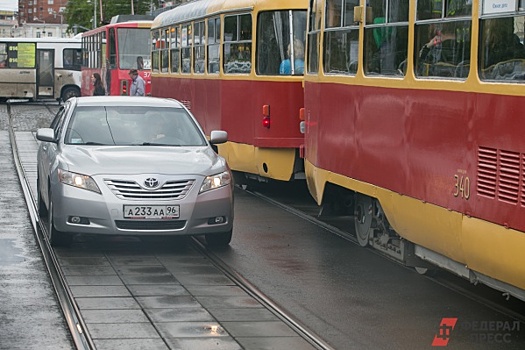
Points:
[[126, 189], [150, 225]]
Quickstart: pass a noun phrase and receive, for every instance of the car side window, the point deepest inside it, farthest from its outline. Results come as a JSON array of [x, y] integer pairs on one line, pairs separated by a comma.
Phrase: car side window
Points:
[[57, 122]]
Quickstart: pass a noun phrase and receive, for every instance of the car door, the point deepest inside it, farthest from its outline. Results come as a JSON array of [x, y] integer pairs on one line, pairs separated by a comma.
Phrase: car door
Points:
[[47, 153]]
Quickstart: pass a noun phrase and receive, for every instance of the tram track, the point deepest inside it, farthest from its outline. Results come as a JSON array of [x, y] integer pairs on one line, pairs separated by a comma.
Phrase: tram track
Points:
[[71, 312], [481, 294], [300, 209], [276, 309]]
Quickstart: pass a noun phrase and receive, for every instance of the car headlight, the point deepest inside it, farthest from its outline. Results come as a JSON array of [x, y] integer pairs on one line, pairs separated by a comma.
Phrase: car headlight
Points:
[[78, 180], [216, 181]]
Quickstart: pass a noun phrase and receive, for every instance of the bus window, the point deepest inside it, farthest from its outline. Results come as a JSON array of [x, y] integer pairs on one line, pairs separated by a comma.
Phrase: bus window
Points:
[[442, 41], [3, 55], [237, 50], [72, 58], [501, 51], [273, 42], [133, 43], [386, 37], [198, 47], [341, 37], [214, 40]]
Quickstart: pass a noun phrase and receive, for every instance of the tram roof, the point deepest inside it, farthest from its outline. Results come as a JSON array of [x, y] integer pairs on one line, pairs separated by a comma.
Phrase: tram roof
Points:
[[200, 9]]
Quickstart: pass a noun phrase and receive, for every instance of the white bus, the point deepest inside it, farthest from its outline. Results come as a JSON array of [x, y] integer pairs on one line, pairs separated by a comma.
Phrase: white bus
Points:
[[40, 68]]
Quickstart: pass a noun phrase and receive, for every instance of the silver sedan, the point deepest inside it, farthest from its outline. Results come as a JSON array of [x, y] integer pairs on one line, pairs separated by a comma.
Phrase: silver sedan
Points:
[[120, 165]]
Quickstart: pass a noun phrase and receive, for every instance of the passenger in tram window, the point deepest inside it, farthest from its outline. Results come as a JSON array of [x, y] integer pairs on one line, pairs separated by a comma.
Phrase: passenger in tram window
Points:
[[298, 54], [500, 43], [97, 83], [448, 47], [140, 62]]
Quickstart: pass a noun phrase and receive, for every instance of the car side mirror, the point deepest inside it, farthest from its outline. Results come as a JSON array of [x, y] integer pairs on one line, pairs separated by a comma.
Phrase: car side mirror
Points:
[[218, 136], [45, 134]]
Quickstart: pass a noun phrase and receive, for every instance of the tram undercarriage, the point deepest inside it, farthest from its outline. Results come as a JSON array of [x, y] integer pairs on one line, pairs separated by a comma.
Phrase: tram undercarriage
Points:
[[373, 229]]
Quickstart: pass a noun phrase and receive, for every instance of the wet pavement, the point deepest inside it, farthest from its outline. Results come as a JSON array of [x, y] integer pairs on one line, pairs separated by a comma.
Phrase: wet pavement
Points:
[[30, 317], [131, 292]]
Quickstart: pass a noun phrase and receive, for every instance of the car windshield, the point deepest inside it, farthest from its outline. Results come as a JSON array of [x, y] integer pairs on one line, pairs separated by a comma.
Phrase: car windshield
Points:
[[133, 125]]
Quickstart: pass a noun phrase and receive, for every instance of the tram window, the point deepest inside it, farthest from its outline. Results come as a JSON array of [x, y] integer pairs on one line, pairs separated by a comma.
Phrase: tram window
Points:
[[164, 51], [186, 48], [175, 49], [315, 11], [443, 49], [237, 50], [214, 40], [442, 42], [341, 39], [501, 50], [112, 49], [155, 57], [198, 47], [386, 37], [274, 52], [428, 9]]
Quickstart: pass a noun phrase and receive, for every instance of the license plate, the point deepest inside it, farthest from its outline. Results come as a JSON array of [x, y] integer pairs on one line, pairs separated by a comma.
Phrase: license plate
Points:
[[151, 211]]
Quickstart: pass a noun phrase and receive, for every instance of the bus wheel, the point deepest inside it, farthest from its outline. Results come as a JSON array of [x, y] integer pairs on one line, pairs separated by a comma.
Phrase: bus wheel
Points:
[[69, 92]]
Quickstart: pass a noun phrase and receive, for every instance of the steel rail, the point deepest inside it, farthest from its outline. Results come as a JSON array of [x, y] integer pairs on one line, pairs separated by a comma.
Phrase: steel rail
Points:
[[273, 307], [444, 282], [72, 316]]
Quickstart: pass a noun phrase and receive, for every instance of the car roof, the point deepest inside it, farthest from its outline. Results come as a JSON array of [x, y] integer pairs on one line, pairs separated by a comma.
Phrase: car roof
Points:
[[126, 101]]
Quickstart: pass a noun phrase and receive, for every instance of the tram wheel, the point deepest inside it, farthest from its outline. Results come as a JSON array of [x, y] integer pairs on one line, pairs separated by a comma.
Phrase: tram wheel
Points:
[[56, 238], [363, 219], [425, 271]]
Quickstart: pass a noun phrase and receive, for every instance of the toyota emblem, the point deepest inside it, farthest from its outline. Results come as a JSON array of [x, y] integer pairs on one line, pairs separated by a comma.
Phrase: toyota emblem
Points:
[[151, 182]]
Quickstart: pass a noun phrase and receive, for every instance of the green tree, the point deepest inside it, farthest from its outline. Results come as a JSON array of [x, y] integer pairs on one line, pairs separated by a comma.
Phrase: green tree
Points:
[[79, 13]]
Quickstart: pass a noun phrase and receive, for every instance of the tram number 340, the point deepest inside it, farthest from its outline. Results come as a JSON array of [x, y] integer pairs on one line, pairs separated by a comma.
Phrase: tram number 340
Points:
[[461, 186]]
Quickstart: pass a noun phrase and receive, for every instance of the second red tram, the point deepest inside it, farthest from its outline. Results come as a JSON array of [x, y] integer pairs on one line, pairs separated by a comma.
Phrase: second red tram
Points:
[[414, 121], [112, 50], [232, 65]]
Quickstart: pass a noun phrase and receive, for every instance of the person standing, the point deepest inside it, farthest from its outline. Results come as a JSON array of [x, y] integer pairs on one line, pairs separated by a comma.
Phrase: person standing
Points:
[[138, 85], [97, 83]]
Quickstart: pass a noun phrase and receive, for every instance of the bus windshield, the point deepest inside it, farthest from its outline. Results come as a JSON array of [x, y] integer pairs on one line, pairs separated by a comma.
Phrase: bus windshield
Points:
[[134, 48]]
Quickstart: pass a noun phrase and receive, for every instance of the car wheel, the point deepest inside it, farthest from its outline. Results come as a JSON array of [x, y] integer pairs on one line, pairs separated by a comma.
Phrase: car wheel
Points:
[[219, 239], [42, 209], [56, 238]]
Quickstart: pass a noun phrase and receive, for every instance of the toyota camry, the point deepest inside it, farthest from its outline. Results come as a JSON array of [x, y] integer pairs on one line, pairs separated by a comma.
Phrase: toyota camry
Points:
[[121, 165]]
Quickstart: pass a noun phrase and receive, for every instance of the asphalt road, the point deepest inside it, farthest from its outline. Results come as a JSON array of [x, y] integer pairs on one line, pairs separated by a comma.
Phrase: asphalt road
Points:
[[352, 297]]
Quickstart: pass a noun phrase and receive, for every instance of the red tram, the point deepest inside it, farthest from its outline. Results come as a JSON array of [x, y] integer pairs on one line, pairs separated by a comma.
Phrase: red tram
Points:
[[413, 116], [232, 65], [115, 48]]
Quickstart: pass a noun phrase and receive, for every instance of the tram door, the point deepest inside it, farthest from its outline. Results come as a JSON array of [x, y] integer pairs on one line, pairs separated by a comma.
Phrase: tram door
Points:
[[45, 73]]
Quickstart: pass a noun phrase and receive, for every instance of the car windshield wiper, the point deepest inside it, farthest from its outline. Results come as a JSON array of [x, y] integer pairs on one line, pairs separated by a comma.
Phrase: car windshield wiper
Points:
[[157, 144], [94, 143]]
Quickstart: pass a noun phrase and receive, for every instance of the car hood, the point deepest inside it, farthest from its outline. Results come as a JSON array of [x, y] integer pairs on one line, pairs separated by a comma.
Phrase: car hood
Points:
[[94, 160]]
